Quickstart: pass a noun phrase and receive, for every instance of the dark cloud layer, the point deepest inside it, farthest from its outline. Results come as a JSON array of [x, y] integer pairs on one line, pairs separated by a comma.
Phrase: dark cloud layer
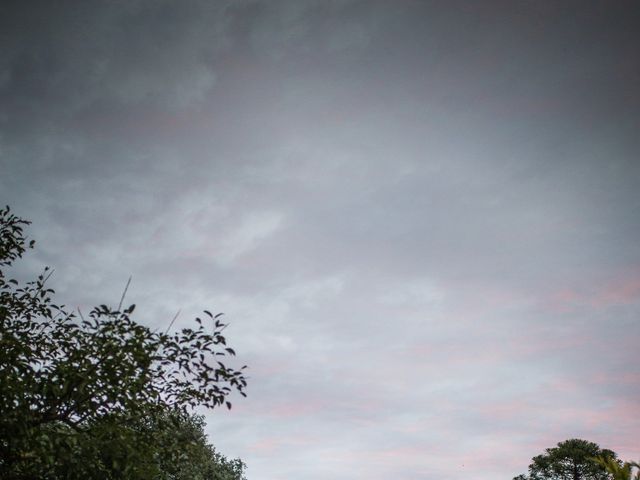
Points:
[[421, 217]]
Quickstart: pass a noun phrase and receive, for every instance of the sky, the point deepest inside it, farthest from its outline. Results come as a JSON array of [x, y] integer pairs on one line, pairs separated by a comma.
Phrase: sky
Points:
[[420, 218]]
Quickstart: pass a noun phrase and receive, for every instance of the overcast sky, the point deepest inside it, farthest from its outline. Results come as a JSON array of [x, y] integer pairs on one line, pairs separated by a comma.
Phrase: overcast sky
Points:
[[422, 219]]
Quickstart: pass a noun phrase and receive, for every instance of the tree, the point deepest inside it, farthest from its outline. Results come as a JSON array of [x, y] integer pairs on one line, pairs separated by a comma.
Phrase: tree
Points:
[[619, 471], [572, 459], [77, 388], [170, 446], [184, 453]]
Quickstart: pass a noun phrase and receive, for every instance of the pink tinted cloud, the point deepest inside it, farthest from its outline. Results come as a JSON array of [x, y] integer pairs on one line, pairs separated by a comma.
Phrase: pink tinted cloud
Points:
[[630, 378], [284, 409], [493, 350], [621, 290], [266, 445], [297, 408], [473, 301], [614, 420], [540, 341], [427, 459], [271, 444], [410, 455], [508, 410]]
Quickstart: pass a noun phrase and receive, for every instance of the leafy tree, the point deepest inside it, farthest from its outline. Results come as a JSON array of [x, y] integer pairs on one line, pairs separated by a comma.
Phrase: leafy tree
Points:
[[73, 389], [184, 453], [570, 460], [619, 471], [169, 446]]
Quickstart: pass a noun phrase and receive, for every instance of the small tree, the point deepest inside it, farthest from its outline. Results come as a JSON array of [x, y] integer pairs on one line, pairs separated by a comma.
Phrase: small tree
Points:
[[67, 382], [570, 460]]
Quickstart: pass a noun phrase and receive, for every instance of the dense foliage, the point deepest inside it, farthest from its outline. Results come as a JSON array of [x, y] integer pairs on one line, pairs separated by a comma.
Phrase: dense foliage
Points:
[[618, 470], [572, 459], [103, 396]]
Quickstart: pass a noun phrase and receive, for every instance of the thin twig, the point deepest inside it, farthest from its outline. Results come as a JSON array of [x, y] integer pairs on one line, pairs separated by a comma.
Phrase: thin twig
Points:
[[48, 276], [124, 293], [174, 319]]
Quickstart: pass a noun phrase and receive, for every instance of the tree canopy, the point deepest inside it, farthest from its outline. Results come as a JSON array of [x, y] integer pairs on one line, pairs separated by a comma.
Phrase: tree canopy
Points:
[[103, 396], [572, 459]]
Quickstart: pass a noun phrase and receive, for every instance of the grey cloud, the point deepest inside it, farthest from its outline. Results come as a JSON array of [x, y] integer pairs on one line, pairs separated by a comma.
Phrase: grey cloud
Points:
[[72, 57]]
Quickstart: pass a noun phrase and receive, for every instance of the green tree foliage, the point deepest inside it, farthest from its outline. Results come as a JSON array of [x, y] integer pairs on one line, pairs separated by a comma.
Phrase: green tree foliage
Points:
[[619, 471], [185, 453], [572, 459], [169, 446], [163, 446], [103, 396]]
